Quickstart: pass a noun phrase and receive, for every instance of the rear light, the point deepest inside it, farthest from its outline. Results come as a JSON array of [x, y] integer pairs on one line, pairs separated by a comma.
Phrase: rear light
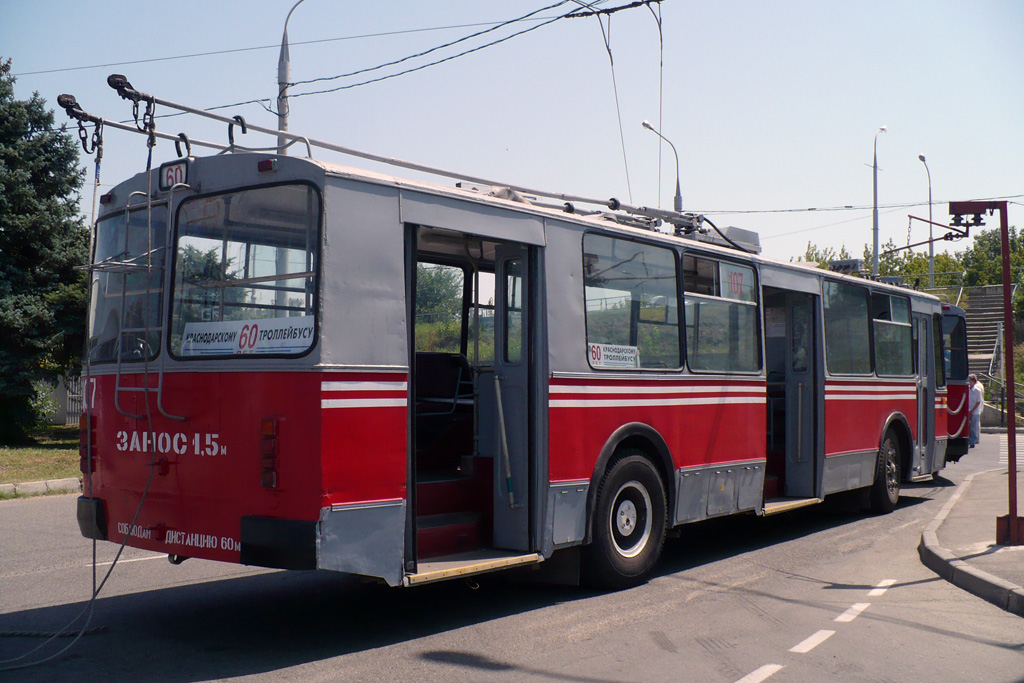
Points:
[[267, 166], [268, 453], [107, 198], [86, 443]]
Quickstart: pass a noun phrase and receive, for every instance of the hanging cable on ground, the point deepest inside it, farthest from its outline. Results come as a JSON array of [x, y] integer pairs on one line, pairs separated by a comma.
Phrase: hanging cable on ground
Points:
[[148, 125]]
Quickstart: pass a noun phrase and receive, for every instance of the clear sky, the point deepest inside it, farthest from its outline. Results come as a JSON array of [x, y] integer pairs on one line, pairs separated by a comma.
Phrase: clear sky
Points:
[[773, 106]]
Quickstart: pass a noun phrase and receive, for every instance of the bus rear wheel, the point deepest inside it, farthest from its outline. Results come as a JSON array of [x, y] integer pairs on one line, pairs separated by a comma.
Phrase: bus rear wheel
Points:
[[629, 524], [885, 491]]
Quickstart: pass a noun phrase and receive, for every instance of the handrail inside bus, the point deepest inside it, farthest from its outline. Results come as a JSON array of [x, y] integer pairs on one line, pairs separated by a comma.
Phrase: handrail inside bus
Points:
[[248, 281]]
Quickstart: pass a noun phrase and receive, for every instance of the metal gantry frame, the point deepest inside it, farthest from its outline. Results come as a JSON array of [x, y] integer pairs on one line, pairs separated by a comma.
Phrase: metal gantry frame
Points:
[[1009, 527]]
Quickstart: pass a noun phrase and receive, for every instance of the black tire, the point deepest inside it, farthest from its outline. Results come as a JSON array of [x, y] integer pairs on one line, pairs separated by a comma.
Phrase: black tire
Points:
[[885, 491], [628, 524]]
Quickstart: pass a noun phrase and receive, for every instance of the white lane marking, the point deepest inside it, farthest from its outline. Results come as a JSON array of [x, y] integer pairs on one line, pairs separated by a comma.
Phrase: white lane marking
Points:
[[812, 642], [853, 612], [881, 588], [134, 559], [761, 673]]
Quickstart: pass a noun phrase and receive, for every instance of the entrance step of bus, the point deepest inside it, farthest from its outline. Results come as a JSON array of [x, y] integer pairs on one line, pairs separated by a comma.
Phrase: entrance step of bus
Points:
[[776, 505], [447, 534], [446, 493], [467, 564]]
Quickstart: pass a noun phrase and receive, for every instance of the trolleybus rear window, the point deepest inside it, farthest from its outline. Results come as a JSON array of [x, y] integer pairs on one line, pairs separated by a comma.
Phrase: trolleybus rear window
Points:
[[124, 318], [245, 273]]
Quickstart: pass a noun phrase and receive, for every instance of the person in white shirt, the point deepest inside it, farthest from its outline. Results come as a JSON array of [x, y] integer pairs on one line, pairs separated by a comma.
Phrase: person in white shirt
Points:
[[975, 404]]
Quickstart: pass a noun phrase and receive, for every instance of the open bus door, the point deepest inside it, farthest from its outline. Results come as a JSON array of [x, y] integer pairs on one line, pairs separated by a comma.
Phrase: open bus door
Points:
[[924, 462], [792, 343], [511, 386], [473, 414]]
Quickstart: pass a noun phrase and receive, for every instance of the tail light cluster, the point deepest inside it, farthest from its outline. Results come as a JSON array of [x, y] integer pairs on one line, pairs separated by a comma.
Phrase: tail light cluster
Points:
[[268, 453], [86, 443]]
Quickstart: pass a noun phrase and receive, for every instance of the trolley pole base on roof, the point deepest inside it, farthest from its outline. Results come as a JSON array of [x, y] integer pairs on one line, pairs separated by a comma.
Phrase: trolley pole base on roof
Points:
[[1004, 532]]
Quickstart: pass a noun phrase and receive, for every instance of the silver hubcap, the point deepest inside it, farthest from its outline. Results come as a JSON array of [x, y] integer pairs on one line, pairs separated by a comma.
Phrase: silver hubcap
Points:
[[630, 522], [892, 475], [625, 518]]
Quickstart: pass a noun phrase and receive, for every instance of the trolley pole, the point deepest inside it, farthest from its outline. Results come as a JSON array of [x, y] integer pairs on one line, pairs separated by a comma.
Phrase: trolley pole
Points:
[[1009, 527]]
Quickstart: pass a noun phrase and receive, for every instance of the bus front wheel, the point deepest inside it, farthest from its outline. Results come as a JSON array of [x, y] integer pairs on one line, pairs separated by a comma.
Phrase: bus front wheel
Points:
[[629, 524]]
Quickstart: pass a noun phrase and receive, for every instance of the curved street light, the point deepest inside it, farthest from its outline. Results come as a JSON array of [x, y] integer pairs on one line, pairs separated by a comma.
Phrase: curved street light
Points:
[[677, 202], [931, 245], [874, 214], [283, 78]]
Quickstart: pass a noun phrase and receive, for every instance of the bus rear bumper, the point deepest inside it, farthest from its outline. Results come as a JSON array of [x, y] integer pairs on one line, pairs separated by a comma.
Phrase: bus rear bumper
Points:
[[92, 518], [956, 448], [278, 543]]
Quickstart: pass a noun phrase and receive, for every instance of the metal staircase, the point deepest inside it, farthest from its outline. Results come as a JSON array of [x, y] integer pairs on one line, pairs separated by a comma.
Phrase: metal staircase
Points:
[[984, 326]]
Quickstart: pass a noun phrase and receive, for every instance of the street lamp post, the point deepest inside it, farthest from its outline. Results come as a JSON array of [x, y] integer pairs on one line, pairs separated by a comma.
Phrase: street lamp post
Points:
[[931, 245], [283, 78], [677, 202], [874, 214]]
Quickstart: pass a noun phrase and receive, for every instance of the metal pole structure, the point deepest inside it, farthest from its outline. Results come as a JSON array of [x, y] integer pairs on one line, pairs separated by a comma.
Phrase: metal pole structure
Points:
[[874, 213], [931, 245], [1008, 528], [283, 78], [1012, 520], [677, 202]]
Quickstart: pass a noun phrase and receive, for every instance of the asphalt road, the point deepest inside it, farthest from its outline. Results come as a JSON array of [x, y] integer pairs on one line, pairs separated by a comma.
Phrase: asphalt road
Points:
[[825, 593]]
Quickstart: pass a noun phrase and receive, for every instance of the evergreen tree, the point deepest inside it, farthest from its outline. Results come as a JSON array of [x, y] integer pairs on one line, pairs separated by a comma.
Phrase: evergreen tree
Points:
[[42, 238]]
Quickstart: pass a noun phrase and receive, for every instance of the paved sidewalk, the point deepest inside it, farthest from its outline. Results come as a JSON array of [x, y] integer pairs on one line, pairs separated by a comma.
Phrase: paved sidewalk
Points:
[[960, 543], [70, 485]]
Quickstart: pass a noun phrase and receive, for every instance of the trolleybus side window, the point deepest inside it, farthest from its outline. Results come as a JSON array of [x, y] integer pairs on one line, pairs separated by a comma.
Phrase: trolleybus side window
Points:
[[847, 336], [631, 298], [245, 273], [440, 291], [124, 254], [891, 333], [513, 310], [722, 333]]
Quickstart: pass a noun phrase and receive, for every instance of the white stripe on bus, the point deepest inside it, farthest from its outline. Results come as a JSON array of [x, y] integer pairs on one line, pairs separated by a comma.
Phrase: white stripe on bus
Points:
[[363, 386], [668, 391], [363, 403], [654, 402], [868, 397]]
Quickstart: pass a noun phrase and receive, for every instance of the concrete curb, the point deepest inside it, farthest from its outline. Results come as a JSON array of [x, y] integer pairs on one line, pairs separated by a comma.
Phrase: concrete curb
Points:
[[999, 592], [69, 485]]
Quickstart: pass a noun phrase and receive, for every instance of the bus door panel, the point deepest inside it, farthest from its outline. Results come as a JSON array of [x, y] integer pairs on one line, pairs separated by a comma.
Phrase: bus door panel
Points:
[[510, 415], [924, 449], [801, 396]]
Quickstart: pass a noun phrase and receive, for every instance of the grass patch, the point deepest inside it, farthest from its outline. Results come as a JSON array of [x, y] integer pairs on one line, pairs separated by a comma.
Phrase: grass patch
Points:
[[53, 455]]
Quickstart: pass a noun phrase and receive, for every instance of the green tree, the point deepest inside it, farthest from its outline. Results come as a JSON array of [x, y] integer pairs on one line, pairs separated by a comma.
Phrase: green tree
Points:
[[912, 266], [822, 256], [42, 238], [438, 292], [983, 260]]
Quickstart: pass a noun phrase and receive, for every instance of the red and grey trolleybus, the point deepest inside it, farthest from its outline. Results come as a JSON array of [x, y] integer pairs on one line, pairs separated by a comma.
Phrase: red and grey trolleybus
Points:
[[298, 364]]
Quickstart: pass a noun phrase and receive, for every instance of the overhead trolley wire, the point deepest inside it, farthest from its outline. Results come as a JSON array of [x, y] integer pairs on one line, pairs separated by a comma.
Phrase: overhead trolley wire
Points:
[[495, 27], [212, 53], [435, 62]]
